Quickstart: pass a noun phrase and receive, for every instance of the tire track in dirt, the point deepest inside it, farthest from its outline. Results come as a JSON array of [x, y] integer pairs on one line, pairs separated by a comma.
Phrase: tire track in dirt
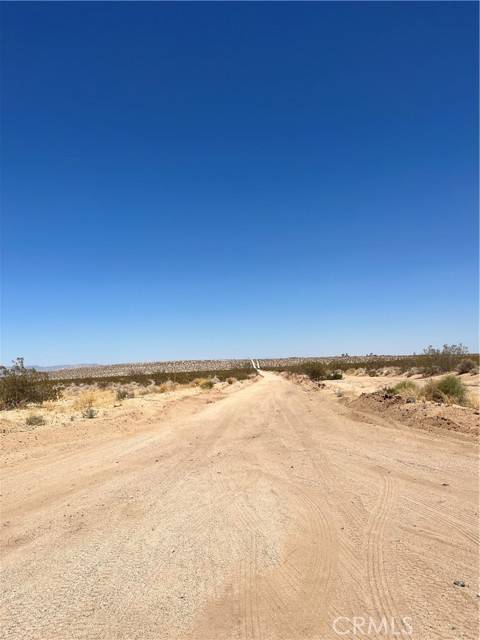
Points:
[[378, 578]]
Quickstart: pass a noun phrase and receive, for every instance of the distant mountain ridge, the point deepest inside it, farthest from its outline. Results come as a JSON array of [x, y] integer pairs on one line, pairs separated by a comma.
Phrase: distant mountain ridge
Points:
[[57, 367]]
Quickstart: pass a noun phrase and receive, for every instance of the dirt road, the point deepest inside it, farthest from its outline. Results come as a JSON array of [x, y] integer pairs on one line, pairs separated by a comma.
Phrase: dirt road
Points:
[[274, 512]]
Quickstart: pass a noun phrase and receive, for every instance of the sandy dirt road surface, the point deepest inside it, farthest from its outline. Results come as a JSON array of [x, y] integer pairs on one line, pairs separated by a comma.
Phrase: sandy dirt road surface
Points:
[[272, 513]]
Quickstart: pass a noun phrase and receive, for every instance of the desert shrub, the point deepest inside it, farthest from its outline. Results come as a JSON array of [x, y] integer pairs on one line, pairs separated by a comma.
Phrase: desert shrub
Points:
[[314, 370], [89, 413], [453, 388], [405, 388], [164, 377], [372, 373], [231, 380], [414, 371], [448, 389], [432, 370], [123, 394], [206, 384], [431, 362], [19, 385], [335, 375], [445, 359], [464, 366], [431, 392], [34, 420], [85, 401]]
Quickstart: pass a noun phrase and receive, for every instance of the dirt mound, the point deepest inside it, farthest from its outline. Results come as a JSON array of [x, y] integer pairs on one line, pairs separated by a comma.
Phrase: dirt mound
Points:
[[429, 416]]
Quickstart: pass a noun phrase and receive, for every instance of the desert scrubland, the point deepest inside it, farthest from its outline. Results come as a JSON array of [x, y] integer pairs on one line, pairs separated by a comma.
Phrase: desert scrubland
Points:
[[273, 506]]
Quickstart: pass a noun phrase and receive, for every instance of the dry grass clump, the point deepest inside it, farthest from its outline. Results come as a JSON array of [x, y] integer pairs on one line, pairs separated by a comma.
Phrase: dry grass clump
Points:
[[89, 413], [203, 383], [197, 382], [144, 391], [123, 394], [406, 388], [94, 398], [85, 400], [35, 420], [166, 386]]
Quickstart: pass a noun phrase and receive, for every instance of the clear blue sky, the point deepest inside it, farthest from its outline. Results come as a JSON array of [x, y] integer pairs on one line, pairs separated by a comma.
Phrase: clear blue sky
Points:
[[221, 179]]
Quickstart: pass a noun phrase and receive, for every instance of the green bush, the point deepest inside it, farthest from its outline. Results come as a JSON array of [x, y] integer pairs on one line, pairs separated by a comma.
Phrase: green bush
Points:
[[206, 384], [19, 386], [453, 388], [448, 389]]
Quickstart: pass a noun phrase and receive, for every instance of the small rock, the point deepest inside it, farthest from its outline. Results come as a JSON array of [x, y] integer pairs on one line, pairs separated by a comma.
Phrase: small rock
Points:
[[459, 583], [445, 484], [410, 399]]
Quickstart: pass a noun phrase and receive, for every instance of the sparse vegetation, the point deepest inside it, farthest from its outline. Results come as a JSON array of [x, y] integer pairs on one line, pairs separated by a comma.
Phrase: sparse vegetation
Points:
[[231, 380], [20, 386], [314, 370], [335, 375], [206, 384], [431, 362], [89, 413], [405, 388], [123, 394], [448, 389], [465, 366], [168, 378], [34, 420], [453, 388], [85, 401]]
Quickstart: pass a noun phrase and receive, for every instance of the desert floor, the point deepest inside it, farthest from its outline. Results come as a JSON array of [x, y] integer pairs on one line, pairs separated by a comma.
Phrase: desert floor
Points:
[[267, 509]]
